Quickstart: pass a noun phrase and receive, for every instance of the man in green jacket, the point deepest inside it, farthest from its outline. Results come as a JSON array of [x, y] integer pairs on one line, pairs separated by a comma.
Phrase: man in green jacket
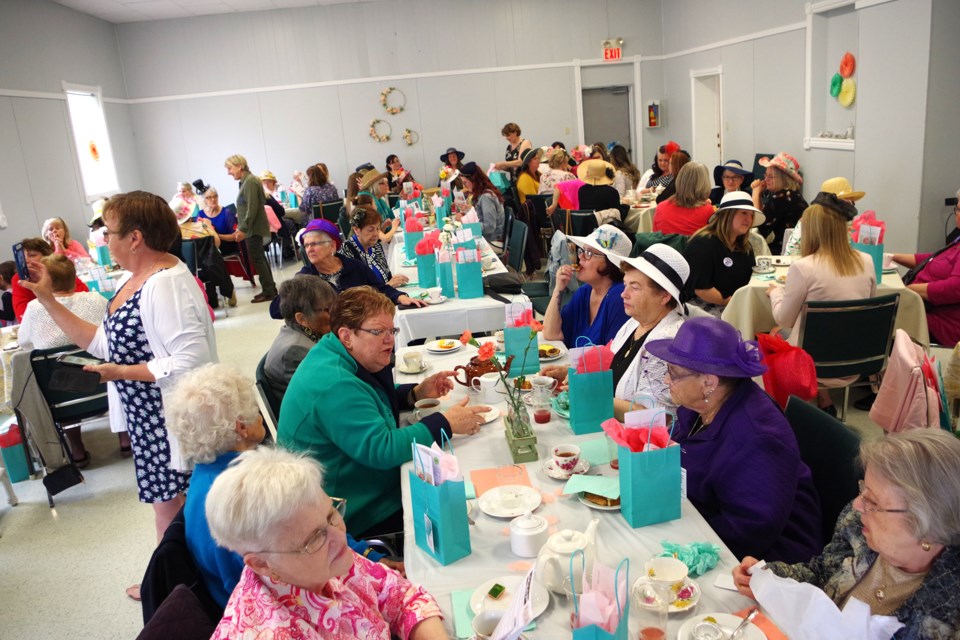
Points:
[[252, 225]]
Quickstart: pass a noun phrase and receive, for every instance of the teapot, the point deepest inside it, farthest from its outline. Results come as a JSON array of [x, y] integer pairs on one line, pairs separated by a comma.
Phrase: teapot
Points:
[[553, 562], [477, 367]]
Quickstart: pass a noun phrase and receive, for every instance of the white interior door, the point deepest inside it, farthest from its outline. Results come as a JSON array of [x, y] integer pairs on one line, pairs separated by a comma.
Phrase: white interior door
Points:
[[705, 94]]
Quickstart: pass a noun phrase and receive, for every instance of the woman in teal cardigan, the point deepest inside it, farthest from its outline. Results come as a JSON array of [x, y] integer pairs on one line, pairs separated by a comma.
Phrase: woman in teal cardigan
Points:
[[343, 408]]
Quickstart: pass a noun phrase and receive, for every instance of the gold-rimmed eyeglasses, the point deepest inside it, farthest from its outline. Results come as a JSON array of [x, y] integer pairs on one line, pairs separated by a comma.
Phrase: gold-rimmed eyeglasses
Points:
[[319, 537], [870, 506]]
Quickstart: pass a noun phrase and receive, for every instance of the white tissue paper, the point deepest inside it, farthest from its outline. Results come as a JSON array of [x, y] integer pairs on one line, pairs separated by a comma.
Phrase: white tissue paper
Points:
[[805, 612]]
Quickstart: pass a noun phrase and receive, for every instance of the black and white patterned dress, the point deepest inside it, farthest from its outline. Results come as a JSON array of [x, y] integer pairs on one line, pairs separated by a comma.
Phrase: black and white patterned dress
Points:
[[142, 406]]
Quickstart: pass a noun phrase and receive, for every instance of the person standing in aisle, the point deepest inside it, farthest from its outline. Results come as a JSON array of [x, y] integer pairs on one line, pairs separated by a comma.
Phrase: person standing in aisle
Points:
[[252, 225]]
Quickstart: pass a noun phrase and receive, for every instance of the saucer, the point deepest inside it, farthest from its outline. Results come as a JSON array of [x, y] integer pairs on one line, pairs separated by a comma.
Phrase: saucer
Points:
[[413, 372], [684, 598], [727, 622], [760, 271], [433, 302], [490, 504], [491, 415], [550, 468]]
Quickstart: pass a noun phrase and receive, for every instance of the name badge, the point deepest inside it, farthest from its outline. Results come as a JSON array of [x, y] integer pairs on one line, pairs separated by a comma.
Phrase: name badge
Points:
[[728, 261]]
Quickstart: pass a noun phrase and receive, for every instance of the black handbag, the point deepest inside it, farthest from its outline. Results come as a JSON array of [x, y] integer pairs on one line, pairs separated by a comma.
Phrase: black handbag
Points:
[[62, 479]]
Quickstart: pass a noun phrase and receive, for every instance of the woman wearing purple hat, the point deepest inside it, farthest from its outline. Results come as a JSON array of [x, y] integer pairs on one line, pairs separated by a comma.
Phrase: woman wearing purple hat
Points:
[[744, 472], [321, 241]]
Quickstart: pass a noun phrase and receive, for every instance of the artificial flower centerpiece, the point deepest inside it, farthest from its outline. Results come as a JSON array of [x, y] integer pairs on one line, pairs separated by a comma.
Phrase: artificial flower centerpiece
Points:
[[519, 432]]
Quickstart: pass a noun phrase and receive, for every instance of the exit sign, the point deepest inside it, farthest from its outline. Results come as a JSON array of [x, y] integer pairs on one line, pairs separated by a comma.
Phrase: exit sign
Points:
[[612, 53]]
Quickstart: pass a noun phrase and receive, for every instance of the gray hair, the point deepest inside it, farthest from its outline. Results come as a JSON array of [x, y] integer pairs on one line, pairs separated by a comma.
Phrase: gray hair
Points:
[[261, 489], [693, 185], [923, 464], [307, 294], [204, 406]]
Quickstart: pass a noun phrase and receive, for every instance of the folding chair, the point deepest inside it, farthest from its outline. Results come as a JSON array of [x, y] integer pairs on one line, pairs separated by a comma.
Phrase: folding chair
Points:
[[67, 408], [330, 211], [516, 246], [269, 399], [539, 203], [575, 222], [849, 338]]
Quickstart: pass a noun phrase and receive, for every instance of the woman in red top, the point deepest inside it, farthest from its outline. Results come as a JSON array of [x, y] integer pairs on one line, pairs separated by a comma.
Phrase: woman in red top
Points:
[[690, 209], [34, 249]]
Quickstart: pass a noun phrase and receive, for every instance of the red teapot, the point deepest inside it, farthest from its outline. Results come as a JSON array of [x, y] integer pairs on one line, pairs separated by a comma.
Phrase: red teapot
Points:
[[477, 367]]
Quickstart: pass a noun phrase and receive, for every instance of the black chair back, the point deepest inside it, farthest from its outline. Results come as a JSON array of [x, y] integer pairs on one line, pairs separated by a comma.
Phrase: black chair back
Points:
[[188, 250], [393, 199], [66, 406], [582, 222], [270, 399], [830, 449], [540, 202], [849, 337], [516, 245], [331, 211]]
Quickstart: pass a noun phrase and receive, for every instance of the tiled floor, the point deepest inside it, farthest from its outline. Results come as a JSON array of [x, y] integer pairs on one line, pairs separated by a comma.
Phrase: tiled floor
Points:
[[63, 571]]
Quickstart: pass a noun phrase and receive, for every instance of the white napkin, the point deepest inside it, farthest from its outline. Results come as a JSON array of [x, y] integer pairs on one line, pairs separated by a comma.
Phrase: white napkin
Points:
[[804, 612], [470, 216]]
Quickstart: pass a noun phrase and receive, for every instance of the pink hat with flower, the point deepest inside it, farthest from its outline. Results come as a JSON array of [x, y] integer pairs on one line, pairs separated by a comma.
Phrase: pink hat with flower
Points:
[[786, 163]]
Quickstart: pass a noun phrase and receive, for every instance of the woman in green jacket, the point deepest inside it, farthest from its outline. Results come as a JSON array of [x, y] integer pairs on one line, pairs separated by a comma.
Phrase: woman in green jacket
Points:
[[343, 408]]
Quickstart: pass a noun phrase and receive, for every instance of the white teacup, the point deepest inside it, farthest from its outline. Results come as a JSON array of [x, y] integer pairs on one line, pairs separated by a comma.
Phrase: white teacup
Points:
[[435, 293], [486, 621], [888, 262], [764, 262], [426, 407], [413, 361], [666, 570], [486, 386], [488, 262], [566, 457]]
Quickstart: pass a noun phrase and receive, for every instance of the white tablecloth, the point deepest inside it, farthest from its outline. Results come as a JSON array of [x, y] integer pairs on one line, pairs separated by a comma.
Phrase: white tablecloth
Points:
[[640, 218], [749, 310], [491, 555], [451, 317]]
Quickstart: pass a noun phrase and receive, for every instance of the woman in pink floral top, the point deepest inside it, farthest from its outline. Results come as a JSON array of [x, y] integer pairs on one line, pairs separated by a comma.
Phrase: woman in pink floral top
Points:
[[308, 583]]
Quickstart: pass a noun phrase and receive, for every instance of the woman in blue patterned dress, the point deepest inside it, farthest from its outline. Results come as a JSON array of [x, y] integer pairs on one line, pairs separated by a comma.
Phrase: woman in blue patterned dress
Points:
[[157, 327]]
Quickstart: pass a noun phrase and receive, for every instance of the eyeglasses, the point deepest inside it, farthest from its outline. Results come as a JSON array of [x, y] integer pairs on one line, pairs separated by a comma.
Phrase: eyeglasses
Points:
[[586, 254], [676, 377], [310, 245], [319, 537], [869, 506], [376, 333], [730, 178], [107, 233]]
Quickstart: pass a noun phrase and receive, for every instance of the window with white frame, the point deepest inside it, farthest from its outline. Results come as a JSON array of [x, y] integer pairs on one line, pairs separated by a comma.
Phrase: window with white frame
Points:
[[91, 141]]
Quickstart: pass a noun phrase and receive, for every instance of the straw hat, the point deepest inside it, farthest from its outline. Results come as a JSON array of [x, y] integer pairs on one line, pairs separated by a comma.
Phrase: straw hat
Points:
[[594, 171], [371, 178], [842, 188]]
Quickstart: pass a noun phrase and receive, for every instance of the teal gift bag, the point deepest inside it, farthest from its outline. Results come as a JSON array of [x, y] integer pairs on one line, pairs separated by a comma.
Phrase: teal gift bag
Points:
[[516, 341], [875, 251], [445, 276], [440, 519], [103, 256], [469, 280], [427, 270], [500, 180], [410, 240], [475, 227], [591, 396], [621, 583], [650, 485]]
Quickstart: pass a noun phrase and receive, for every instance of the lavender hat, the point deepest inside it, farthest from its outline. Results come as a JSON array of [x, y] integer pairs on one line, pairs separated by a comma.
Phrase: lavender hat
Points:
[[710, 345]]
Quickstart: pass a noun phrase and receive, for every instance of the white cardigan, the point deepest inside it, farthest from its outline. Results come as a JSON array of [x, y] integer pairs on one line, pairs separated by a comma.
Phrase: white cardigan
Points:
[[645, 376], [180, 334]]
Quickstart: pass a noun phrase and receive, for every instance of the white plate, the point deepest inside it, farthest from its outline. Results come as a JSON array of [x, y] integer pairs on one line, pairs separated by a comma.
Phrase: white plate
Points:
[[727, 621], [551, 469], [434, 347], [431, 302], [685, 598], [551, 358], [491, 415], [594, 505], [890, 270], [760, 271], [423, 367], [538, 594], [489, 502]]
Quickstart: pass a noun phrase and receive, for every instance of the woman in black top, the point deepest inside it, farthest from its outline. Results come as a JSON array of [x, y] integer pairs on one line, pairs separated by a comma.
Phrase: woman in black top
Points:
[[597, 194], [778, 195], [365, 245], [515, 148], [720, 255]]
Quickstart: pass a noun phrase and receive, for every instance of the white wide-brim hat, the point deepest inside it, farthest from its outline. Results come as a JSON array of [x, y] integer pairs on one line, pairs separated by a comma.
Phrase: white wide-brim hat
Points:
[[664, 265], [740, 200], [605, 239]]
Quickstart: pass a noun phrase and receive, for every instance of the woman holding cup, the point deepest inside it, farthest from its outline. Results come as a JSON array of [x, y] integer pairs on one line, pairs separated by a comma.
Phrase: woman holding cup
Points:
[[349, 416]]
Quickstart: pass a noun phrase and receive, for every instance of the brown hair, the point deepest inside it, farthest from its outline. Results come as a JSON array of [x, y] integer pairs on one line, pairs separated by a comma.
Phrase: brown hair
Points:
[[608, 270], [146, 212], [63, 275], [317, 175], [719, 227], [785, 181], [356, 304], [39, 245], [480, 182], [599, 147], [352, 187], [510, 127], [7, 270], [825, 234], [678, 160], [364, 213]]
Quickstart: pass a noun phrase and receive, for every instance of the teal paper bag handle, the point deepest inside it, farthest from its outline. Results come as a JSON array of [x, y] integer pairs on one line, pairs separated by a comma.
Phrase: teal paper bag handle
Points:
[[410, 240], [445, 276], [427, 270]]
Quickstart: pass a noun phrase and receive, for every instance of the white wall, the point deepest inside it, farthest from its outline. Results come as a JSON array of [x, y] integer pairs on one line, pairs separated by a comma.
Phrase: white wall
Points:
[[941, 176], [43, 44], [345, 49]]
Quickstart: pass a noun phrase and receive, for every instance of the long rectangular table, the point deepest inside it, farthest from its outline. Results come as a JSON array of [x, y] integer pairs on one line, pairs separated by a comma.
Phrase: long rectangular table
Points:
[[491, 556], [749, 309], [452, 316]]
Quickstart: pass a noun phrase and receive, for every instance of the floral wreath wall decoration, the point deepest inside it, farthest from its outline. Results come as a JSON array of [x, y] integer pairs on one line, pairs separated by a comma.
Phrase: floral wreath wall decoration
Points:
[[384, 137], [410, 137], [385, 100]]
